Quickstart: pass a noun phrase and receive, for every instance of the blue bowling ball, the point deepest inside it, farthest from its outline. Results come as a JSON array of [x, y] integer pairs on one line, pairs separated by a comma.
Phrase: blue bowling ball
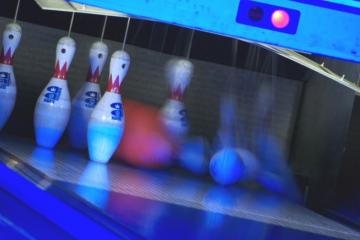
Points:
[[226, 166]]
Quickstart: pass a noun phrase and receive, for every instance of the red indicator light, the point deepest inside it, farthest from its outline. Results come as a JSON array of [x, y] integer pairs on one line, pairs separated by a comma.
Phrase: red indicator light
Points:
[[280, 19]]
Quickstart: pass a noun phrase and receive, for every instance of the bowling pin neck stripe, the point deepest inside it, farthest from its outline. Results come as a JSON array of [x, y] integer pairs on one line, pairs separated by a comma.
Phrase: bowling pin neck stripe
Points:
[[60, 72], [114, 85], [6, 58], [177, 94], [93, 77]]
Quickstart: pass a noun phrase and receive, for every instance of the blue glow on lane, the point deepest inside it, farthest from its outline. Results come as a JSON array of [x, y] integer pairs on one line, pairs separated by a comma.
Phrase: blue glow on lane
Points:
[[9, 230], [43, 158], [92, 182], [75, 223], [22, 222]]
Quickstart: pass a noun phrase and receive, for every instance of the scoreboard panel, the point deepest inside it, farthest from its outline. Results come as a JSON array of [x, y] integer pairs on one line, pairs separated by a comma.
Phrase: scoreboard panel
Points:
[[321, 27]]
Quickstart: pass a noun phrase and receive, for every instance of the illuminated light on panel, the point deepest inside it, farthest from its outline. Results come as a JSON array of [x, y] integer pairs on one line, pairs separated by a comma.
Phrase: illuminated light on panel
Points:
[[268, 16], [280, 19]]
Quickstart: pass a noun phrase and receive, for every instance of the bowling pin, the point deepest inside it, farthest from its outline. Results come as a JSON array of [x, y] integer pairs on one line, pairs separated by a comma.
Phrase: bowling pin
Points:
[[87, 97], [53, 106], [173, 113], [11, 40], [106, 124]]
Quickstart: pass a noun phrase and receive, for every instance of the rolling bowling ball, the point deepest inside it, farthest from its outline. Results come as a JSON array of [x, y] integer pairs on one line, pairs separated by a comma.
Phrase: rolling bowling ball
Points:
[[145, 142], [226, 166]]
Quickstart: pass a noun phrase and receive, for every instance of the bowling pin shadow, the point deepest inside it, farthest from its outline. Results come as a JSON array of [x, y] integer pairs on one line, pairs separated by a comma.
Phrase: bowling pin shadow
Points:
[[93, 184]]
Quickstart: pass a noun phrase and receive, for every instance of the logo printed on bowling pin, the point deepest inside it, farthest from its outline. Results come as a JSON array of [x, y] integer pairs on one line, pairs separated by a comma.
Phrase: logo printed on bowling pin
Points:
[[91, 99], [117, 114], [183, 119], [4, 80], [53, 94]]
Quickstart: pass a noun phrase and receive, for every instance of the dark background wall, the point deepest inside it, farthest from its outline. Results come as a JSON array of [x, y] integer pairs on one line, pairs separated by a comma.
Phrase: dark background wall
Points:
[[348, 187], [321, 132]]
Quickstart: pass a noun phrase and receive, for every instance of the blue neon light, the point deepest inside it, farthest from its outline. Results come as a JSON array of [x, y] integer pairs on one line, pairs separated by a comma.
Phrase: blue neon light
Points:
[[265, 21], [67, 218], [96, 175]]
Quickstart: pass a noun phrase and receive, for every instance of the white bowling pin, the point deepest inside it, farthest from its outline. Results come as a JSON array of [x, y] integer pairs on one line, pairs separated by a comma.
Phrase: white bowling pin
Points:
[[87, 97], [173, 113], [53, 106], [106, 124], [11, 40]]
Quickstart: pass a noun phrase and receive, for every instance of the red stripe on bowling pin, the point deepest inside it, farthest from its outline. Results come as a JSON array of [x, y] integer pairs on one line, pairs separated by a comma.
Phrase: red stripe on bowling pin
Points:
[[97, 57], [177, 94], [65, 50], [11, 39], [93, 77], [60, 73], [179, 73], [119, 66], [7, 58], [114, 86]]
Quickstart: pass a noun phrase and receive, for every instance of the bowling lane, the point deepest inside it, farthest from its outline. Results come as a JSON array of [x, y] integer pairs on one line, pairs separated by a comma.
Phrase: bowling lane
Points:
[[158, 204], [161, 220]]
